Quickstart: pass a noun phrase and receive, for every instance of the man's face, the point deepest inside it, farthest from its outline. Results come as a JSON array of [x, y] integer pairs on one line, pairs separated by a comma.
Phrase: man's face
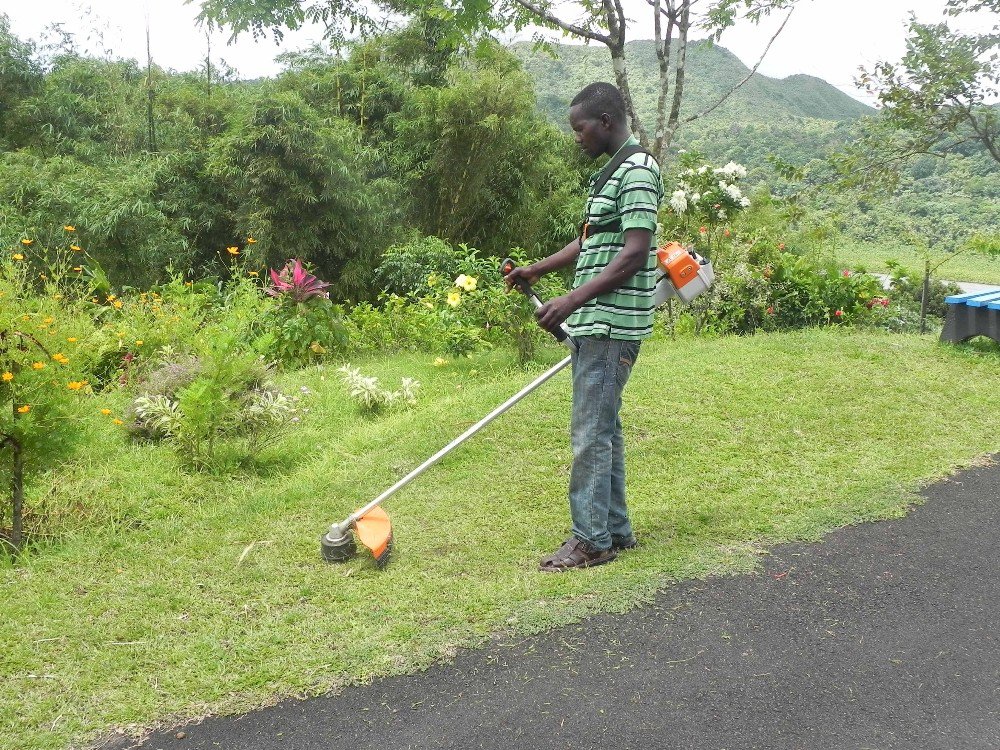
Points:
[[591, 134]]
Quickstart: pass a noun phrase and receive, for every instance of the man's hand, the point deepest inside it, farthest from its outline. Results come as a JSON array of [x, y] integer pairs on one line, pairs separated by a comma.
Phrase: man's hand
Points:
[[519, 275], [553, 313]]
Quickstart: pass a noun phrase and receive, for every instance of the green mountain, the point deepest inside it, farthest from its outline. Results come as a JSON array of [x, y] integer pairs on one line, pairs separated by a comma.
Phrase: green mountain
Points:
[[712, 72]]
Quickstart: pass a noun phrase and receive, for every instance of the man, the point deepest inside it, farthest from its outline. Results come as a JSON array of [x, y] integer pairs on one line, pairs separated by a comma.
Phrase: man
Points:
[[609, 312]]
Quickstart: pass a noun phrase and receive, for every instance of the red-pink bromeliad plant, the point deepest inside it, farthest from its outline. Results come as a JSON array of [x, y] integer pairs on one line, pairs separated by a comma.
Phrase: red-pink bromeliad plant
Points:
[[293, 281]]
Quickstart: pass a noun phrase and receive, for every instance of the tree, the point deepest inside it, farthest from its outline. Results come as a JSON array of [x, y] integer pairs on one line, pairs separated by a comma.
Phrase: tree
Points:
[[937, 97], [604, 22]]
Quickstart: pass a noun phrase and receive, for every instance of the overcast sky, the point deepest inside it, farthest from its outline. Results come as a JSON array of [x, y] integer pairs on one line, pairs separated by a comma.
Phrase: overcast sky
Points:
[[825, 38]]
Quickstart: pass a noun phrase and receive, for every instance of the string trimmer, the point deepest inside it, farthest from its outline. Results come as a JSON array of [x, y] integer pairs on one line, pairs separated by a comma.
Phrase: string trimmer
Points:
[[371, 524]]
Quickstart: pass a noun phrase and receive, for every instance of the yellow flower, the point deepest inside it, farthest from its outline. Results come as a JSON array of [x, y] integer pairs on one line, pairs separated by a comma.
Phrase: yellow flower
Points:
[[18, 256], [75, 248], [138, 342], [61, 358], [23, 409], [252, 273], [69, 228], [57, 296], [251, 241], [118, 304], [75, 385], [49, 320], [117, 421], [37, 365], [71, 339], [233, 250], [26, 242], [7, 377], [187, 283], [439, 362], [25, 317], [454, 298], [78, 269], [468, 283], [112, 298]]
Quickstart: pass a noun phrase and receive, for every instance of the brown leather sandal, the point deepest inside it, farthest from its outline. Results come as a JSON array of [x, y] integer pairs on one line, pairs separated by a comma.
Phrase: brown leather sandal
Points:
[[576, 554]]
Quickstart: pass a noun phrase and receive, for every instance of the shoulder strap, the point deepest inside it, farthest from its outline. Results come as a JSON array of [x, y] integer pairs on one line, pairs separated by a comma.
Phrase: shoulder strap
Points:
[[616, 161]]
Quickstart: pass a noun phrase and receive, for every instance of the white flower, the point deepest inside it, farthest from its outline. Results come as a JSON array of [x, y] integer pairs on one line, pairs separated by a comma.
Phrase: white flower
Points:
[[734, 192], [460, 281], [703, 169], [722, 213], [678, 201], [470, 283], [696, 197], [744, 202], [733, 170]]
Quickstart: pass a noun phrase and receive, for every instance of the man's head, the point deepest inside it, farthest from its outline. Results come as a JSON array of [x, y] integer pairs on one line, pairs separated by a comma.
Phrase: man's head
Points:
[[597, 116]]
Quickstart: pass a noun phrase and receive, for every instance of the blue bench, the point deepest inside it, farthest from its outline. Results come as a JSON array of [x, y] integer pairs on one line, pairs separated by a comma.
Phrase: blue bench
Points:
[[972, 314]]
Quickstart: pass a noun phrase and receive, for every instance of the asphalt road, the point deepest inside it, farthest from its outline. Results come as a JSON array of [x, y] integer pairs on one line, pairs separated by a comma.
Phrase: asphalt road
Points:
[[884, 635]]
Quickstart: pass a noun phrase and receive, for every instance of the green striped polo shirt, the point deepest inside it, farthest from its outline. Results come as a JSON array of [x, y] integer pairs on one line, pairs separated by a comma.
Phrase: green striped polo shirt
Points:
[[632, 194]]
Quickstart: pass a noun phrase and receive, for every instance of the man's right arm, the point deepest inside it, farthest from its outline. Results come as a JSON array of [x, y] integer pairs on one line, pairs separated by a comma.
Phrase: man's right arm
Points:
[[560, 259]]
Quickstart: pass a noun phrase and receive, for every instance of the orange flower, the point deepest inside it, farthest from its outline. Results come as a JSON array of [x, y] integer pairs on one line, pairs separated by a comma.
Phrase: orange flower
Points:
[[37, 365], [7, 377], [251, 241], [703, 230], [78, 269], [26, 242], [117, 421], [117, 304], [23, 409], [71, 339], [75, 385], [18, 256], [69, 228], [61, 358], [75, 248], [106, 412], [233, 250]]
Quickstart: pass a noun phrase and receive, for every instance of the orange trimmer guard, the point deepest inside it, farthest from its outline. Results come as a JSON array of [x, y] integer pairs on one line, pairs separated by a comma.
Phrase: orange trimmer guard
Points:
[[374, 530]]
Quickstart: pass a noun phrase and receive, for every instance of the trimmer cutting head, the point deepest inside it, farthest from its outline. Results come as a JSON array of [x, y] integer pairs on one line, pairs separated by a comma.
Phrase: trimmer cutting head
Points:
[[373, 530]]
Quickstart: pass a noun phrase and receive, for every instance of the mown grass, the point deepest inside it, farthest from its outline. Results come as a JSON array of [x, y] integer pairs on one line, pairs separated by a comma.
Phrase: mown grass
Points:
[[192, 594], [967, 266]]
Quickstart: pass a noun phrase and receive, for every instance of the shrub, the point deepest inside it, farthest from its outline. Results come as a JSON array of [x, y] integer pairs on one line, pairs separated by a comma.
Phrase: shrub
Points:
[[371, 397], [302, 325]]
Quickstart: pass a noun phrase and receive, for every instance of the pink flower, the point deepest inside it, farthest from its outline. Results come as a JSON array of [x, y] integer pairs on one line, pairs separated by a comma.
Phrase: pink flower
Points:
[[838, 313], [770, 310], [846, 272], [703, 230]]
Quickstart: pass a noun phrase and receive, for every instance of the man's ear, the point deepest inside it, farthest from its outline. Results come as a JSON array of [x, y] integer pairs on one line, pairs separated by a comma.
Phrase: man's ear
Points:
[[607, 121]]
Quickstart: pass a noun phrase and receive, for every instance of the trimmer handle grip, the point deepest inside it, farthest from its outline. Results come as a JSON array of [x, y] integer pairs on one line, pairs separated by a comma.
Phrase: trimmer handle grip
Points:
[[508, 265]]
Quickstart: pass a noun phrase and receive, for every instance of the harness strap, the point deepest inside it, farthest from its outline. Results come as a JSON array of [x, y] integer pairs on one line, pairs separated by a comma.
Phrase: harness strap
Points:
[[615, 225]]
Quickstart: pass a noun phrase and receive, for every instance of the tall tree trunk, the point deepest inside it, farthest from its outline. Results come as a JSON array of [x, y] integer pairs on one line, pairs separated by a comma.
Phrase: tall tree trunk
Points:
[[673, 121]]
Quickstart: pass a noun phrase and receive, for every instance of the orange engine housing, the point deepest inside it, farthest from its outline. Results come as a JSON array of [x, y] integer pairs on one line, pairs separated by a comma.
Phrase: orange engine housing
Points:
[[679, 264]]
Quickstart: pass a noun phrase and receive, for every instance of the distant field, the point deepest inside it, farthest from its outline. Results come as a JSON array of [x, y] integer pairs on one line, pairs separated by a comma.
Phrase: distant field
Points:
[[965, 267]]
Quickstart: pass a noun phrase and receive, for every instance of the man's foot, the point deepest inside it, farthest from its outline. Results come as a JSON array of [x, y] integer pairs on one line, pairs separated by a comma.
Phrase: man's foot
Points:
[[576, 554], [620, 545]]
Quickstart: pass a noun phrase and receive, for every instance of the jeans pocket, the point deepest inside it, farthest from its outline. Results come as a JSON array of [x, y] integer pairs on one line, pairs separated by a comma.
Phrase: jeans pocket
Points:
[[627, 356]]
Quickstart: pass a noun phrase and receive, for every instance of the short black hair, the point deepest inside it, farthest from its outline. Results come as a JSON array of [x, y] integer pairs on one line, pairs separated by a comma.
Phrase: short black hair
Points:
[[601, 98]]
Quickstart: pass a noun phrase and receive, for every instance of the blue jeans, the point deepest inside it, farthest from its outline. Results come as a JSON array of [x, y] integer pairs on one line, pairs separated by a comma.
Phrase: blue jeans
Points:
[[601, 367]]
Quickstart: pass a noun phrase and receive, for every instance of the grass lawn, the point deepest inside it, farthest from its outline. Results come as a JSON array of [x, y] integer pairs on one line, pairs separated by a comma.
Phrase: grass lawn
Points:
[[183, 595], [965, 267]]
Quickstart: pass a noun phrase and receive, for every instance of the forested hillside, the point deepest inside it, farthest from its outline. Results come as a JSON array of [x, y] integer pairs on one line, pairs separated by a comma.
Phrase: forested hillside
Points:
[[800, 120], [713, 71]]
